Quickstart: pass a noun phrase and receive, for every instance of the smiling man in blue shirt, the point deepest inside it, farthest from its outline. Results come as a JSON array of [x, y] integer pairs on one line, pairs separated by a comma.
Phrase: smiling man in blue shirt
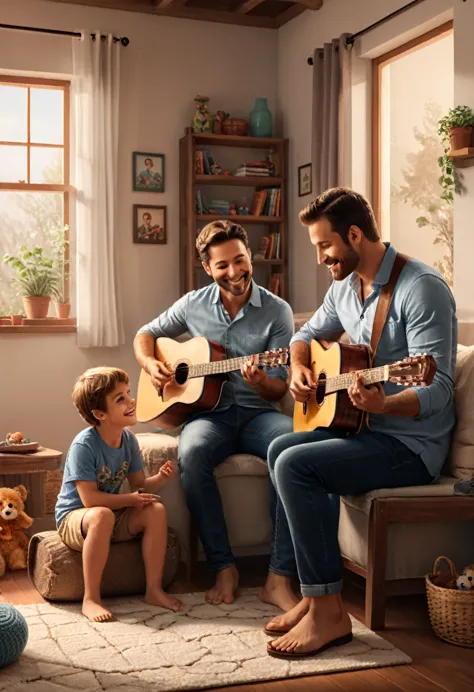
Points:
[[410, 431], [246, 319]]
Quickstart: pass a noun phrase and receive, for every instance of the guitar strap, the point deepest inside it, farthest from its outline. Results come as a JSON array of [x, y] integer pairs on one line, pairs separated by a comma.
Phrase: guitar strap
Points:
[[385, 300]]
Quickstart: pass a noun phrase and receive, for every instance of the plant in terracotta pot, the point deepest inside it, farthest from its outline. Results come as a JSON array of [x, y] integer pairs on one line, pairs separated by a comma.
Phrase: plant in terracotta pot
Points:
[[16, 311], [37, 279], [60, 241], [456, 127]]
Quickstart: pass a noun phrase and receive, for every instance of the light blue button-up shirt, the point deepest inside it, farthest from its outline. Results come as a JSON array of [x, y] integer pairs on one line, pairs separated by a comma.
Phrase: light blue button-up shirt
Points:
[[264, 323], [421, 319]]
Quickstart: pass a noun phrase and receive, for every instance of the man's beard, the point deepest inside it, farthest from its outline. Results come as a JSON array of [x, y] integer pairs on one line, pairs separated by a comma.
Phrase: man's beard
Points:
[[344, 266], [238, 289]]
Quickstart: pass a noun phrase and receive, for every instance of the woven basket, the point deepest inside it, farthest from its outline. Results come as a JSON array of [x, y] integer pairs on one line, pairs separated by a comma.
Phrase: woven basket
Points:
[[451, 611]]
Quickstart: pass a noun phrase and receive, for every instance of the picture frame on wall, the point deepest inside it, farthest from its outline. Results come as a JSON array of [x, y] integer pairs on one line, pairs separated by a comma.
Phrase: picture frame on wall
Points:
[[149, 224], [305, 180], [148, 171]]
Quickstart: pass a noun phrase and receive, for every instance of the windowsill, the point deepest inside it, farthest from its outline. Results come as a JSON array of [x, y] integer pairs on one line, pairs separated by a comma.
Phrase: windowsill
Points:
[[47, 326]]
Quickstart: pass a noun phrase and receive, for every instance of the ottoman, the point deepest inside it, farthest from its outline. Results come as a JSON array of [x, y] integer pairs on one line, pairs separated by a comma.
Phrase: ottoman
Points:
[[56, 570]]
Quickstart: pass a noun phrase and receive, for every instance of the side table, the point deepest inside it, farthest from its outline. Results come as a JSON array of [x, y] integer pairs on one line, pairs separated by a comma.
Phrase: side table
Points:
[[29, 469]]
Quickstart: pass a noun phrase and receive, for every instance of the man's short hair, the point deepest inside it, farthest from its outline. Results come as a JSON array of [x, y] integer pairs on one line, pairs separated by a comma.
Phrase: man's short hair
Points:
[[92, 388], [216, 233], [343, 208]]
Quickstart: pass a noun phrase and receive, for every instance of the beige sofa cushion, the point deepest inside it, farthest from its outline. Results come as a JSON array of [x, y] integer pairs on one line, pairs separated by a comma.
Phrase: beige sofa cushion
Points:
[[462, 447]]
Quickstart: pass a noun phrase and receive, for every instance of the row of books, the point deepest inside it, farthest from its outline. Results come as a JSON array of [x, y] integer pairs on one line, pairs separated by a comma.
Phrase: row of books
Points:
[[269, 246], [266, 202], [274, 283], [203, 162]]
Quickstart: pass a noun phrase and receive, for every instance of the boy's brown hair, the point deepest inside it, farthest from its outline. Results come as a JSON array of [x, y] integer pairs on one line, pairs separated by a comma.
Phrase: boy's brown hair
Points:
[[92, 387], [216, 233]]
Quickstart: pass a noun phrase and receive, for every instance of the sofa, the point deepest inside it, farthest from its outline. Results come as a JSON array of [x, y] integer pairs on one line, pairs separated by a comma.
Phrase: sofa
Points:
[[389, 537]]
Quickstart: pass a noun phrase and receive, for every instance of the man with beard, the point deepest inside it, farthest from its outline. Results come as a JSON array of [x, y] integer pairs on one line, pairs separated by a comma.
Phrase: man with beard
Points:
[[246, 319], [407, 436]]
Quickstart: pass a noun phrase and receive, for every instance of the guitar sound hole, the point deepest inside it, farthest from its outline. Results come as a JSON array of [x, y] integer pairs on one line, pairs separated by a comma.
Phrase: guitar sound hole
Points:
[[181, 373], [321, 388]]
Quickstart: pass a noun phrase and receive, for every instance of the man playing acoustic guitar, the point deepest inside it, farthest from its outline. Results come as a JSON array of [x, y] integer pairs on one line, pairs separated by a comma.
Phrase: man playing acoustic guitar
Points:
[[407, 435], [245, 319]]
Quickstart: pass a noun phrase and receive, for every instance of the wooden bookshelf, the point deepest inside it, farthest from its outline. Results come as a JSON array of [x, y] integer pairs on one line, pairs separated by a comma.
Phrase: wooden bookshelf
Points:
[[191, 222]]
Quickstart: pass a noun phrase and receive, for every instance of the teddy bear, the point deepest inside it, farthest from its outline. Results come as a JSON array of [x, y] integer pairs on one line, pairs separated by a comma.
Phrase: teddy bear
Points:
[[13, 521], [465, 581]]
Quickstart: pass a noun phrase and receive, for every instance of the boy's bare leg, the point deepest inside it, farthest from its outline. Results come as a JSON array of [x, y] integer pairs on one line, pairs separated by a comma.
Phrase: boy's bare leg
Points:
[[97, 525], [152, 521]]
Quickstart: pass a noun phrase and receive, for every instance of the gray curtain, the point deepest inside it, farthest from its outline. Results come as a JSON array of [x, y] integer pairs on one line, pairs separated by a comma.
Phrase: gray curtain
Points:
[[331, 87]]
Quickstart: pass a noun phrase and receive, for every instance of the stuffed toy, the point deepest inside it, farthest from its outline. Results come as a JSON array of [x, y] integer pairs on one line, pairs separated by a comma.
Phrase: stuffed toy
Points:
[[465, 581], [13, 521]]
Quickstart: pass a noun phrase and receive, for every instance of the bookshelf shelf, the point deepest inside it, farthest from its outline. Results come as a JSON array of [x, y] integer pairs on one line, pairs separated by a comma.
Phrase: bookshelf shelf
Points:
[[191, 222]]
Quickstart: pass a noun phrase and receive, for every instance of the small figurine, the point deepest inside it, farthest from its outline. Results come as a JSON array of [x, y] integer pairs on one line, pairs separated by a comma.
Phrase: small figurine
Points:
[[218, 120], [216, 169], [465, 581], [202, 121]]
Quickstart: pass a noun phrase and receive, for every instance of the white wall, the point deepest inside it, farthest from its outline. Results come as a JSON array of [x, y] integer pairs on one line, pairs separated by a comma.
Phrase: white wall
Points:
[[166, 64]]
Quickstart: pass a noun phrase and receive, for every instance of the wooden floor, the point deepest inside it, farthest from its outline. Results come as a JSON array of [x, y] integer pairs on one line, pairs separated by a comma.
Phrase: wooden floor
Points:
[[436, 665]]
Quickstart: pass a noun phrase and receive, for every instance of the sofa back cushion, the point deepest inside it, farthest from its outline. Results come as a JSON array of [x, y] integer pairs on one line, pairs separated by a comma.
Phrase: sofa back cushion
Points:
[[461, 458]]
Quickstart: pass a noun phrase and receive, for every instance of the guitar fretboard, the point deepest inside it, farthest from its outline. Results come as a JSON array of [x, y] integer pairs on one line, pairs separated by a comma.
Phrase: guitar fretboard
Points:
[[221, 366], [344, 381]]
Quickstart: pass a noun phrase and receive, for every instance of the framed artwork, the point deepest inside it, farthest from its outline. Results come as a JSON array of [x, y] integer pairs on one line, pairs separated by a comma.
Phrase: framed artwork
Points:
[[149, 224], [148, 172], [305, 178]]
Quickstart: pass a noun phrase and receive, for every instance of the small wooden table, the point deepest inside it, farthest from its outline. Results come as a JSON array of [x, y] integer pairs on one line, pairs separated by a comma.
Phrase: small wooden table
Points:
[[18, 469]]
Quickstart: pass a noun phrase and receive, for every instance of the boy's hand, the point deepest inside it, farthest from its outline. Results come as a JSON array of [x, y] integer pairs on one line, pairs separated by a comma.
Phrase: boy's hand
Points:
[[139, 499], [167, 471]]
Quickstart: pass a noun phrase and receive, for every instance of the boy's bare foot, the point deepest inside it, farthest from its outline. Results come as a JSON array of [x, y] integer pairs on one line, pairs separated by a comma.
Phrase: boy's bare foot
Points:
[[158, 597], [287, 621], [95, 611], [227, 581], [277, 591]]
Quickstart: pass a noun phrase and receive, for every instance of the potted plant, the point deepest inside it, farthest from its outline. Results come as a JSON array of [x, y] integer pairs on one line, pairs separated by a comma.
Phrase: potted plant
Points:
[[456, 127], [16, 311], [60, 241], [37, 280]]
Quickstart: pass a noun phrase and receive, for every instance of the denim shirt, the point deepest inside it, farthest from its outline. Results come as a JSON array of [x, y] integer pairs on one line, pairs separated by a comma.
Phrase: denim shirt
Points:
[[264, 323], [421, 319]]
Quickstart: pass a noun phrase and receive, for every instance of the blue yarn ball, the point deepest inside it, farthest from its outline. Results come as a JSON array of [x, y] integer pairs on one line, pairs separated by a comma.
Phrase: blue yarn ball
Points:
[[13, 634]]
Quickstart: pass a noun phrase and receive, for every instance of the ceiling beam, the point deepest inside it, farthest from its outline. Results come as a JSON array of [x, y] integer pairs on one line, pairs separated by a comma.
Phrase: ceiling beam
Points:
[[162, 4], [308, 4], [248, 6]]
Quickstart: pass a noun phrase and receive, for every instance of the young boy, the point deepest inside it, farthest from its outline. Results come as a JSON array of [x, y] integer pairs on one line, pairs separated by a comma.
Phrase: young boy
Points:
[[90, 512]]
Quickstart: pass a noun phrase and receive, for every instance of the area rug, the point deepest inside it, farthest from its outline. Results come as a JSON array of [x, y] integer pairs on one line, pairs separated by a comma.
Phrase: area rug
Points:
[[151, 649]]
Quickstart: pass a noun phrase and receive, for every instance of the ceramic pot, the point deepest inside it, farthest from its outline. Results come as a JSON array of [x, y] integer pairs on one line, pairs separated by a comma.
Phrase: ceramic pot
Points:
[[261, 120]]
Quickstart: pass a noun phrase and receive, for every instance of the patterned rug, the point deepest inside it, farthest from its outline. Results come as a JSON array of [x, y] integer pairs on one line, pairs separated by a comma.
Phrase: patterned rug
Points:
[[148, 648]]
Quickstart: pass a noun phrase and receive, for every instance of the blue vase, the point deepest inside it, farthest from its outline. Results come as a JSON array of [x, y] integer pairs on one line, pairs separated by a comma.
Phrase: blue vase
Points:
[[261, 121]]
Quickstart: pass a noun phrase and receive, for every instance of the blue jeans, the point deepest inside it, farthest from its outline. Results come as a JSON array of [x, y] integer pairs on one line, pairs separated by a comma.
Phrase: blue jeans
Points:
[[205, 442], [310, 470]]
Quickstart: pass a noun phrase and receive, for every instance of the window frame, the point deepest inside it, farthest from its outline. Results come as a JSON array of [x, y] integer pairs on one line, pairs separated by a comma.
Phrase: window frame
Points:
[[377, 65], [64, 188]]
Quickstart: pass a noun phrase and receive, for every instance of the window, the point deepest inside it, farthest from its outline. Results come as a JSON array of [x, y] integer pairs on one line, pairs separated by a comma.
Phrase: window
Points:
[[34, 171], [413, 87]]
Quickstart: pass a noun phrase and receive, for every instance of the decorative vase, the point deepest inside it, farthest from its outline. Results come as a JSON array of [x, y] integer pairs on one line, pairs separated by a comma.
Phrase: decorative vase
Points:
[[460, 137], [36, 307], [261, 121], [63, 310]]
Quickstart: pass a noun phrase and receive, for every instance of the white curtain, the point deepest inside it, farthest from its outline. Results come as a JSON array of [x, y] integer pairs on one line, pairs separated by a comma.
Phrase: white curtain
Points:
[[96, 68]]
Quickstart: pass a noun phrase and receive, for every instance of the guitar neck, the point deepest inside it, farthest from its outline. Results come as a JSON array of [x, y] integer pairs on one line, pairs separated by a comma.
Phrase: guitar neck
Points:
[[344, 381], [217, 367]]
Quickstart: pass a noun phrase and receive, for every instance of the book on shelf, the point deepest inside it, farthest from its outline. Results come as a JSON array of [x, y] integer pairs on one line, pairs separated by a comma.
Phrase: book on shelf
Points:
[[203, 162], [274, 283], [266, 202], [269, 247]]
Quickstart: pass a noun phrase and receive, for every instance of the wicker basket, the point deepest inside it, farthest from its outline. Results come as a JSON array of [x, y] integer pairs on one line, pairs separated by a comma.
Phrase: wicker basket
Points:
[[451, 611]]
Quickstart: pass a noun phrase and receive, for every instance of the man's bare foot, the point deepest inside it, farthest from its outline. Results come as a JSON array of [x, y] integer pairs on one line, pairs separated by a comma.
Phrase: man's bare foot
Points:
[[95, 611], [284, 623], [318, 627], [277, 591], [227, 581], [158, 597]]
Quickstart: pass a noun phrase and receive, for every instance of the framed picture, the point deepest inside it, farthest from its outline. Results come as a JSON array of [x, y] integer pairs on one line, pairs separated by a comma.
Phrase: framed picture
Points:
[[149, 224], [148, 172], [305, 180]]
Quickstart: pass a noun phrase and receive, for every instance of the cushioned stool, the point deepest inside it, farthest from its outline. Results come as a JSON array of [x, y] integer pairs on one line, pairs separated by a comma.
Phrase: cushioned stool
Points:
[[56, 570]]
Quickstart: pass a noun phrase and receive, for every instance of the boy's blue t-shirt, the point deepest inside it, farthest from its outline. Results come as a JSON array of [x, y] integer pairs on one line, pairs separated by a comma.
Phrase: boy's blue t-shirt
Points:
[[91, 459]]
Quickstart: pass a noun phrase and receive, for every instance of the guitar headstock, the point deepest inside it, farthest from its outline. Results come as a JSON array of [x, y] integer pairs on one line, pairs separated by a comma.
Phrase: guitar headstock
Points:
[[413, 371], [274, 358]]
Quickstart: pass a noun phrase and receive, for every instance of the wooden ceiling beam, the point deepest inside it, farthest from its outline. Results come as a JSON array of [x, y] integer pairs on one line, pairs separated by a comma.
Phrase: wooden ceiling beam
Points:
[[308, 4], [248, 6], [162, 4]]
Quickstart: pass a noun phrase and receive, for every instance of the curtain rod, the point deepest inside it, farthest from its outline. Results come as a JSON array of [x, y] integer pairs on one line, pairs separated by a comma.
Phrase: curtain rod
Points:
[[57, 32], [350, 39]]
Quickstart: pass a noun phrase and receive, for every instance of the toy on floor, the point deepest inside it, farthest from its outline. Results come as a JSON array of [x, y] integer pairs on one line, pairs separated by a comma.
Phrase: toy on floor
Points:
[[465, 581], [13, 634], [13, 522]]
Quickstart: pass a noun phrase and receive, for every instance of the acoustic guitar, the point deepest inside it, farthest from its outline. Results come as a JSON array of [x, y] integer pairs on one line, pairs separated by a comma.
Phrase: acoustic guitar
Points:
[[200, 371], [332, 365]]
